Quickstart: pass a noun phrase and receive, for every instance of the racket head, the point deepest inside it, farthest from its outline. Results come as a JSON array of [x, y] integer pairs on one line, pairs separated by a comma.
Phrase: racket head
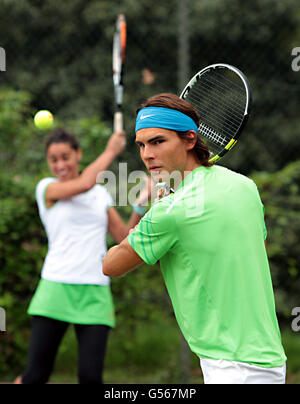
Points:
[[119, 50], [222, 96], [118, 63]]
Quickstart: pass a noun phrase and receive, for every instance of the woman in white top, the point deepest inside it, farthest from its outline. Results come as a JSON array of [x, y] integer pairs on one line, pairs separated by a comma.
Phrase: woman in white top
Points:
[[76, 213]]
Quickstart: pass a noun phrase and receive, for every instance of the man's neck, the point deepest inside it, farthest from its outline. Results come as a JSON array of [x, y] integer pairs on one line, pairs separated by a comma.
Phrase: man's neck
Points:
[[190, 166]]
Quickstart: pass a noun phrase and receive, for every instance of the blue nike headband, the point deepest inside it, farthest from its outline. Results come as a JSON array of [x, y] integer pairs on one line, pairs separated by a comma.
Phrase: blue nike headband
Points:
[[157, 117]]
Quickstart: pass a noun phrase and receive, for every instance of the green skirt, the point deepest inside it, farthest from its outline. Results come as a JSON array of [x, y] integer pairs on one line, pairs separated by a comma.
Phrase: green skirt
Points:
[[75, 304]]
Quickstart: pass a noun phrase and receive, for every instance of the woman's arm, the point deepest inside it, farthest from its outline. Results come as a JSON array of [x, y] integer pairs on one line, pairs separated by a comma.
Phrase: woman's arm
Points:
[[116, 226], [67, 189]]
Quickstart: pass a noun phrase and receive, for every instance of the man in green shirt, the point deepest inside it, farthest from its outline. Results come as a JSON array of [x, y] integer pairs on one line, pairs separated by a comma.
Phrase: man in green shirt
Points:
[[209, 237]]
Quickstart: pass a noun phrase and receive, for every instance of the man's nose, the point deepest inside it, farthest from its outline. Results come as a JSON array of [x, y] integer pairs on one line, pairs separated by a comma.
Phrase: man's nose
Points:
[[148, 152]]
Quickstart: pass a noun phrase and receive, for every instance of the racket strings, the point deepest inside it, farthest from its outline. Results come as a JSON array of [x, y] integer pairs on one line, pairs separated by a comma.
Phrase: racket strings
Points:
[[197, 101], [227, 83], [235, 99], [220, 103], [210, 122], [198, 94], [216, 86], [231, 82], [212, 135]]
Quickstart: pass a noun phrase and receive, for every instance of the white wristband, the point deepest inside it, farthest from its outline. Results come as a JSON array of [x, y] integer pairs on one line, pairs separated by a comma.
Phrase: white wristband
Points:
[[140, 210]]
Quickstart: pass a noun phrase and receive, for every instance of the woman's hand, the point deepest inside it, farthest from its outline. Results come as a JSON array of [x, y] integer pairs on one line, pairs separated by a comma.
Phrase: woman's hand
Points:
[[146, 193], [116, 143]]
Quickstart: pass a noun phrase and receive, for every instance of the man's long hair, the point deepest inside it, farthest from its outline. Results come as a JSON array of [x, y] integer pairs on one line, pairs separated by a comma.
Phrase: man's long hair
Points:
[[172, 101]]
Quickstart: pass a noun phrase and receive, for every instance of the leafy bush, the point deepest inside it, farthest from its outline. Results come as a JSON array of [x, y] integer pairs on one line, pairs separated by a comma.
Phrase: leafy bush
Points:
[[281, 197], [22, 247], [140, 298]]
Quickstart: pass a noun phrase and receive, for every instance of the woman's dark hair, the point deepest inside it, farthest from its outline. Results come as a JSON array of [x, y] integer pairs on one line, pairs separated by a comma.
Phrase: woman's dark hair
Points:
[[172, 101], [60, 135]]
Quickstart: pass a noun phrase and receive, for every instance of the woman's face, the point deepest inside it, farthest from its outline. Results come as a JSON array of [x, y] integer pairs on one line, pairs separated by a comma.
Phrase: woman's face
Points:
[[63, 161]]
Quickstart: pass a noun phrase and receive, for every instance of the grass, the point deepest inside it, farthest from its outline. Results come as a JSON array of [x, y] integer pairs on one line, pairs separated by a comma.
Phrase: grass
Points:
[[152, 356], [291, 343], [147, 354]]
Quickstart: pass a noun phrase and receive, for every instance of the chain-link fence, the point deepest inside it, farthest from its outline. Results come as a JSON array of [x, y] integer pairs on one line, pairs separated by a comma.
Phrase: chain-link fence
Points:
[[60, 53]]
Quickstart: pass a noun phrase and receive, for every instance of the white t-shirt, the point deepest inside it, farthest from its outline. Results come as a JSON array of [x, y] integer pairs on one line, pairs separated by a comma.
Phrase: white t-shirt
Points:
[[76, 230]]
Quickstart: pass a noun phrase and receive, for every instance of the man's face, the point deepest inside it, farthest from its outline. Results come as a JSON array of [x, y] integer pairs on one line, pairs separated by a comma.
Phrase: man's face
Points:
[[162, 152]]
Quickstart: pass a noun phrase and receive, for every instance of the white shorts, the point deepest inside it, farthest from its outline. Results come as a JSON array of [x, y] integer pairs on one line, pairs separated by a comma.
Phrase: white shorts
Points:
[[227, 372]]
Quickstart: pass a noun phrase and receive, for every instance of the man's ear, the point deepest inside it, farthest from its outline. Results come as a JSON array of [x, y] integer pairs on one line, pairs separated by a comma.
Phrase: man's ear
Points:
[[191, 139]]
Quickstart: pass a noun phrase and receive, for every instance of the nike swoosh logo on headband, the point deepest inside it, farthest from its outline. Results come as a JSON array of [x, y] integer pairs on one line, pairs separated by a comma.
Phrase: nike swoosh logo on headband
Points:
[[146, 116]]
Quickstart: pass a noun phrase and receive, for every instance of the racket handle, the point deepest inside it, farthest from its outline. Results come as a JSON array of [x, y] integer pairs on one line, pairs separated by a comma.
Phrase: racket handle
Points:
[[118, 121]]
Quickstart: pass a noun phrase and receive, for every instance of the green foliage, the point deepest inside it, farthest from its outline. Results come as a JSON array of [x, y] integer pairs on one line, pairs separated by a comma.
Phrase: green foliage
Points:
[[61, 53], [258, 37], [291, 342], [22, 246], [22, 145], [281, 197], [23, 243], [152, 358], [146, 329], [140, 298], [59, 58]]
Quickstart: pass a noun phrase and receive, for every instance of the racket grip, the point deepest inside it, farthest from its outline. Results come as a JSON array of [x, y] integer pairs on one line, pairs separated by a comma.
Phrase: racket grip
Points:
[[118, 121]]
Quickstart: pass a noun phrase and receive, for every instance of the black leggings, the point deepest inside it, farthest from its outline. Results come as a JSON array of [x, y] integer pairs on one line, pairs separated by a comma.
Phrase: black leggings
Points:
[[45, 339]]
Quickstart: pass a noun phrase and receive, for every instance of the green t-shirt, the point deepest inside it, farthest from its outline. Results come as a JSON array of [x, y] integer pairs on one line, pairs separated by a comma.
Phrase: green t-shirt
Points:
[[209, 239]]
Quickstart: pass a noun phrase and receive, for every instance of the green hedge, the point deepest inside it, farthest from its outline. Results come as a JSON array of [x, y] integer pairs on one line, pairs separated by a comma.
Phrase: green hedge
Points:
[[22, 247], [140, 298], [281, 197]]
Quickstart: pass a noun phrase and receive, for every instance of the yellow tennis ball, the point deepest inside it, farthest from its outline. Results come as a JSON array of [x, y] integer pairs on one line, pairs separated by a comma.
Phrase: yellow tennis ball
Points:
[[43, 120]]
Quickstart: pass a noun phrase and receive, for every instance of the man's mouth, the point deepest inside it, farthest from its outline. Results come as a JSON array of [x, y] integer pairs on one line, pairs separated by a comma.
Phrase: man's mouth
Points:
[[155, 168]]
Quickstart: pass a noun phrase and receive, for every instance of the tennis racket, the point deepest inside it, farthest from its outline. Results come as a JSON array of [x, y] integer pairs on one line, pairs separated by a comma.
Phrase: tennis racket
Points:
[[118, 63], [222, 96], [163, 190]]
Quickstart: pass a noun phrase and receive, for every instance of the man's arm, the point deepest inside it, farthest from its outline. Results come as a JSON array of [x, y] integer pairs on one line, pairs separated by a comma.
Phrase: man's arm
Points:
[[120, 260]]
